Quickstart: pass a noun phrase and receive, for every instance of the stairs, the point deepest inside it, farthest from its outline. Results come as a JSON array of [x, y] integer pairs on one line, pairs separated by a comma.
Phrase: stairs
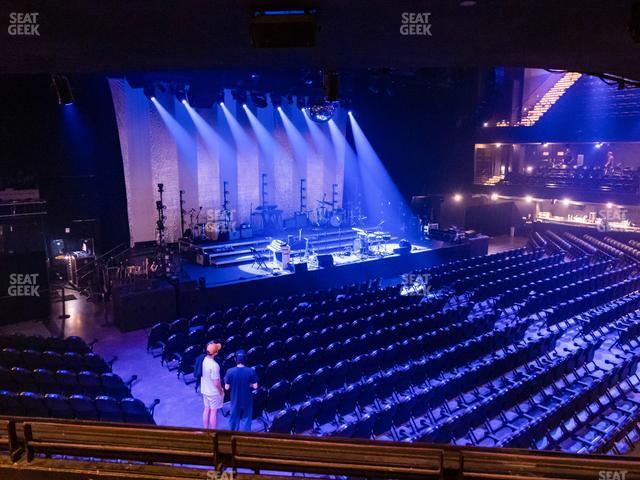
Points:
[[546, 101]]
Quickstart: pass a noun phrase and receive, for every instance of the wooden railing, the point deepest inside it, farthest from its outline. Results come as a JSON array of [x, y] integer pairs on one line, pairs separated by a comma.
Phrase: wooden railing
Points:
[[70, 450]]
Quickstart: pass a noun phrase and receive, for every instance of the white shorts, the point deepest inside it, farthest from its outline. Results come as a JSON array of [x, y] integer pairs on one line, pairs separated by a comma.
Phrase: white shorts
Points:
[[213, 401]]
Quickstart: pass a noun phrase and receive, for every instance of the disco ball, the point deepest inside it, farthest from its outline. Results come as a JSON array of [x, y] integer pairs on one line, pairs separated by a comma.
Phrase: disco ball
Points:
[[322, 112]]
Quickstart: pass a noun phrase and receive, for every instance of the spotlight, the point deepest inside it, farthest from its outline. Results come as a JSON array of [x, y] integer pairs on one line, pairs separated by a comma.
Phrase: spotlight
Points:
[[184, 101], [485, 124], [529, 169], [494, 196], [457, 197], [279, 108], [545, 144], [240, 96], [259, 99], [153, 99], [528, 199], [222, 104], [349, 113], [566, 201], [181, 94], [609, 205], [63, 89], [599, 145], [498, 145], [244, 105], [322, 112]]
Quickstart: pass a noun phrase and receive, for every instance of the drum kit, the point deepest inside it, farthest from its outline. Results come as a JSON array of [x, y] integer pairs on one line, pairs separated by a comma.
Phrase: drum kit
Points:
[[215, 228], [370, 242]]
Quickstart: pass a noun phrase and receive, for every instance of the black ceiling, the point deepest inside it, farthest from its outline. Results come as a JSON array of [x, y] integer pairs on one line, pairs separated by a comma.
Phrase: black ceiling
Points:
[[144, 35]]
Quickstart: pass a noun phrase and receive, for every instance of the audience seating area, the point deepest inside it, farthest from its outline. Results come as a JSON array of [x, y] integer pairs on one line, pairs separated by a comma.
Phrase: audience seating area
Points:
[[577, 178], [63, 378], [526, 348]]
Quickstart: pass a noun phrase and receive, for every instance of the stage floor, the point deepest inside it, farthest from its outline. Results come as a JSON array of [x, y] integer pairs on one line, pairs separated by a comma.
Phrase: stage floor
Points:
[[215, 276]]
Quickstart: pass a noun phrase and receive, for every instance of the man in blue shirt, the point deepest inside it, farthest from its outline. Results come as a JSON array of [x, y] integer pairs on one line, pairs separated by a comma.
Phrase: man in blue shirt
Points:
[[241, 380]]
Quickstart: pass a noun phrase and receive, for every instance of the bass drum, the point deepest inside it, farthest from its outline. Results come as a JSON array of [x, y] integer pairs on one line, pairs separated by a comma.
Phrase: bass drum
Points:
[[336, 219], [211, 231]]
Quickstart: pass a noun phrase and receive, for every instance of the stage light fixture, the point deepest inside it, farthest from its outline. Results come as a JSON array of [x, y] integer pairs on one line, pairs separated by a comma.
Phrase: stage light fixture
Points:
[[259, 99], [149, 91], [153, 99], [240, 96], [528, 198], [349, 113], [485, 124], [529, 169], [63, 89], [599, 145], [498, 145], [457, 197], [221, 104], [181, 93], [566, 202], [276, 100], [609, 205], [494, 196]]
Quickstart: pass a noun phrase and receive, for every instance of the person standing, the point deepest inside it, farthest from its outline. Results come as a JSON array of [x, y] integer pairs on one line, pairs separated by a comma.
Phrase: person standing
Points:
[[241, 380], [211, 387]]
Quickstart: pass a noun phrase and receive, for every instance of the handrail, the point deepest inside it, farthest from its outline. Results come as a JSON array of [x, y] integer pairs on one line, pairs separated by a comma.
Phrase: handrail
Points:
[[454, 461]]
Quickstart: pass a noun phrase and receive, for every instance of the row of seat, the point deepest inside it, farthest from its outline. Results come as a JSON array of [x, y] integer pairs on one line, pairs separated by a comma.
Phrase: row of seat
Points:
[[590, 300], [501, 284], [472, 282], [390, 385], [32, 359], [541, 300], [42, 344], [628, 249], [557, 409], [511, 296], [65, 382], [81, 407]]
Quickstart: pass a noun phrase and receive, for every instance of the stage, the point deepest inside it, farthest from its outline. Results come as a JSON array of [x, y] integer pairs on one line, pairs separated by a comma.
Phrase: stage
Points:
[[202, 289]]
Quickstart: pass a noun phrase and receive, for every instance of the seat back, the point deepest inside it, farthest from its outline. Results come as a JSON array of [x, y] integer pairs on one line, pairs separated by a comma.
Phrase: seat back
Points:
[[161, 445], [336, 458]]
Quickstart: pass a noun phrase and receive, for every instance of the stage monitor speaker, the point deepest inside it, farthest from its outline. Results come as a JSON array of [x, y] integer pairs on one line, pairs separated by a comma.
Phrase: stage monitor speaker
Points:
[[402, 250], [325, 260], [301, 267]]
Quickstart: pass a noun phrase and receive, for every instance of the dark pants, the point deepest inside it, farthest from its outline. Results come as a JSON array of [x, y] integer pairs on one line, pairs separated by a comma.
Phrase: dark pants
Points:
[[240, 418]]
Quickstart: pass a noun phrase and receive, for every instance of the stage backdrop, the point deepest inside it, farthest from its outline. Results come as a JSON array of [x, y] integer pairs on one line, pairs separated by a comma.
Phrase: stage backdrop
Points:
[[196, 150]]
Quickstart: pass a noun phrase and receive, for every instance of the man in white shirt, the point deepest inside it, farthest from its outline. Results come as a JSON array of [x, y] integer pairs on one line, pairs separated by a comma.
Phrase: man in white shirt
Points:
[[210, 386]]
